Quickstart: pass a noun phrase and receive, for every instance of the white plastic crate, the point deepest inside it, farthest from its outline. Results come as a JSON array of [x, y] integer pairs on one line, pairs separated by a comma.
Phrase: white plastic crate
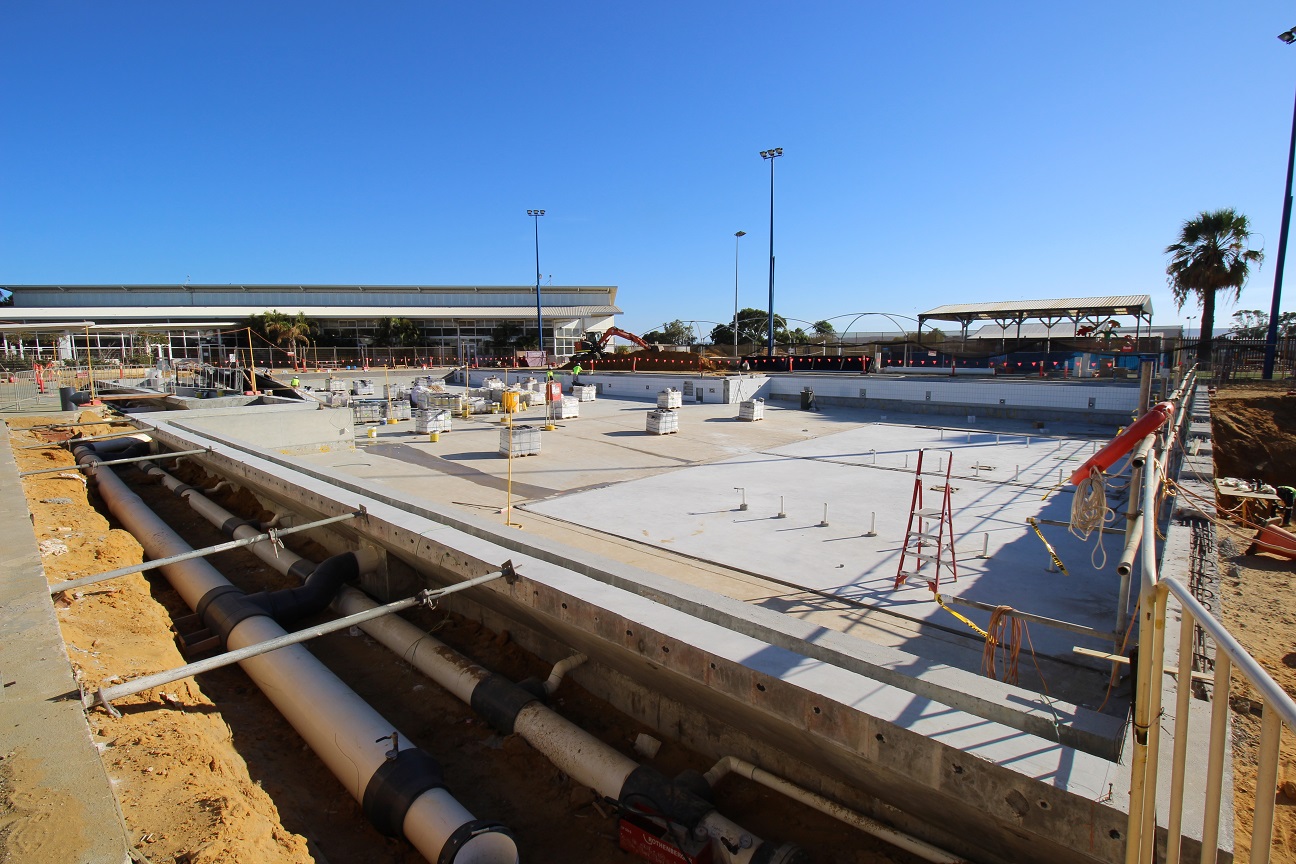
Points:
[[526, 440], [585, 392], [752, 409], [432, 420], [567, 409], [663, 422], [670, 398]]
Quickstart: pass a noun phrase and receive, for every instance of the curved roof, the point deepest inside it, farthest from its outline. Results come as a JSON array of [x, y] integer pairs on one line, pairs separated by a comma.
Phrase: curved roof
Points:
[[1074, 308]]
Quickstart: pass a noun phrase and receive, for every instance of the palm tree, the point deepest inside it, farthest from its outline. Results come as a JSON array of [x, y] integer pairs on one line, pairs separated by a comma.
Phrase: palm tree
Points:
[[1211, 256], [287, 332]]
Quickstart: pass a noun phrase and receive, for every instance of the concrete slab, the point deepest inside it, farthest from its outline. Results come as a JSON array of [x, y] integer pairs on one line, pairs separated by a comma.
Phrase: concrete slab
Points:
[[49, 769], [860, 475]]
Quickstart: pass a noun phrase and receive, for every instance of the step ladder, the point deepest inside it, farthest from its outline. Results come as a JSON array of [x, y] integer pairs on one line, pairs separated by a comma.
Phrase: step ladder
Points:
[[929, 536]]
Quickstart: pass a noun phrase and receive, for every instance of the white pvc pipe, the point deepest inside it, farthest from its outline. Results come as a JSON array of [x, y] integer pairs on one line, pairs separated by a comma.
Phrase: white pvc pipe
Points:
[[560, 670], [338, 725], [578, 754], [921, 848]]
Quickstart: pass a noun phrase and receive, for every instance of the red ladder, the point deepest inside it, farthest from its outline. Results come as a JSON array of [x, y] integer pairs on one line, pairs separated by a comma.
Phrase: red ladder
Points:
[[943, 533]]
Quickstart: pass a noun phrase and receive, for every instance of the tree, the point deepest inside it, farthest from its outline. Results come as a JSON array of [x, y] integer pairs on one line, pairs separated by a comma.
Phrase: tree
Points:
[[1211, 256], [678, 333], [398, 333], [505, 335], [1254, 324], [753, 327], [823, 329], [285, 331]]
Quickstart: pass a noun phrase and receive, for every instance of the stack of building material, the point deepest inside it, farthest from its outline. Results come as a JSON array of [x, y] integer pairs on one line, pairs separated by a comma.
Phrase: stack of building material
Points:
[[494, 385], [519, 441], [584, 392], [531, 385], [432, 399], [396, 391], [752, 409], [567, 409], [477, 405], [335, 385], [663, 422], [332, 399], [366, 412], [396, 410], [362, 387], [670, 398], [432, 420]]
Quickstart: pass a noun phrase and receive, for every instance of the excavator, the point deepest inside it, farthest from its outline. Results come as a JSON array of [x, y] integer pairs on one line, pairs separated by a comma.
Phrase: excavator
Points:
[[593, 345]]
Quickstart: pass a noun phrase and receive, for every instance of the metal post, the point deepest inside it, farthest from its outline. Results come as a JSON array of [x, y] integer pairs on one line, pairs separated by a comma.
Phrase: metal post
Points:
[[770, 156], [536, 214], [737, 234], [1183, 683], [1271, 335]]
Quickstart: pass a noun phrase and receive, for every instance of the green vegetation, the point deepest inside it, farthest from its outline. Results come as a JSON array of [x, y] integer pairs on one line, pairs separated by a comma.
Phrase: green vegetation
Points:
[[1211, 256]]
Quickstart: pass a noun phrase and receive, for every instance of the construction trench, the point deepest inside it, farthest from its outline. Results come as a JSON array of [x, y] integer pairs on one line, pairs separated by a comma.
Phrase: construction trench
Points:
[[914, 750]]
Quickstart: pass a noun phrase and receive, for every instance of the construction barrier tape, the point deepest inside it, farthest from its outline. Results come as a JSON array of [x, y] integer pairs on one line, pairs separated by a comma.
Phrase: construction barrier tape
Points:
[[941, 603], [1057, 562]]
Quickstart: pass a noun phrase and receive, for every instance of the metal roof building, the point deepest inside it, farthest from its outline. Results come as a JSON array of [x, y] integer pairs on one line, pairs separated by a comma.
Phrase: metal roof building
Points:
[[455, 318], [1092, 311]]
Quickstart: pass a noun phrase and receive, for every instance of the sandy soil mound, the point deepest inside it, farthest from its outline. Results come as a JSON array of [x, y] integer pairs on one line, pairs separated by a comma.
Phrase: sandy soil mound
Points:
[[650, 361], [184, 789]]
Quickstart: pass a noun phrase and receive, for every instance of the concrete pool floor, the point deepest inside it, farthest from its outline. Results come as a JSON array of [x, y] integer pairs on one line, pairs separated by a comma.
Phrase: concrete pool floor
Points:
[[668, 504]]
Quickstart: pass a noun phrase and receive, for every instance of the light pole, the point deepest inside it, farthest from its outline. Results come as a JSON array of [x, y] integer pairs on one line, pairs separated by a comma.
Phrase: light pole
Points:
[[1271, 336], [770, 156], [536, 214], [737, 234]]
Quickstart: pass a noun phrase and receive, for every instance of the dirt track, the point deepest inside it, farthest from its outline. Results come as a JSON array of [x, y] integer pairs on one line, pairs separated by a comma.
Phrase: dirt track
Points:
[[1254, 432]]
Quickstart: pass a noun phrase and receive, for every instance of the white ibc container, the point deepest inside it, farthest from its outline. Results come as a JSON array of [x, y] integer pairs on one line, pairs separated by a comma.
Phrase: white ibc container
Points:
[[752, 409], [670, 398], [568, 408], [585, 392], [663, 422], [432, 420], [525, 440]]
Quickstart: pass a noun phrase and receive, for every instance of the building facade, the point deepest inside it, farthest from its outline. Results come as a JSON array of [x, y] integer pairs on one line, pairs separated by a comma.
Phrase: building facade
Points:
[[202, 322]]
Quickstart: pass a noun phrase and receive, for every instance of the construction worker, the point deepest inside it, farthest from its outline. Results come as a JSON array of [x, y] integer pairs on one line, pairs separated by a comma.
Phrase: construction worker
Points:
[[1287, 495], [576, 370], [295, 382]]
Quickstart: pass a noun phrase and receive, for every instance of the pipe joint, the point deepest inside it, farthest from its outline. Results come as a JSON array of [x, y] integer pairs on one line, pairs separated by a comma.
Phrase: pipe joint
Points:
[[395, 786], [499, 700], [465, 834]]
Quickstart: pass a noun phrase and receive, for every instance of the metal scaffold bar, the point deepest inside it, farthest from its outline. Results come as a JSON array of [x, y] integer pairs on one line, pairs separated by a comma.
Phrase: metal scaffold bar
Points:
[[196, 553], [105, 695], [81, 467]]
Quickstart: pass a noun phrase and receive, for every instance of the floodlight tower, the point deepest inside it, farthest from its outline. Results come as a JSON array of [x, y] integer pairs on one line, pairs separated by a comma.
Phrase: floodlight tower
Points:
[[770, 156], [536, 214]]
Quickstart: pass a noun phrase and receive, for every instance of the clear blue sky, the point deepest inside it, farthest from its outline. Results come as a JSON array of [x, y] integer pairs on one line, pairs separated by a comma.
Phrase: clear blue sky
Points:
[[934, 152]]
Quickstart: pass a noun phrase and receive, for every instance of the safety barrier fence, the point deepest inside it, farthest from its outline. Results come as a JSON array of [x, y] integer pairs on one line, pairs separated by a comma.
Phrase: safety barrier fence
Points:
[[26, 389], [1278, 707]]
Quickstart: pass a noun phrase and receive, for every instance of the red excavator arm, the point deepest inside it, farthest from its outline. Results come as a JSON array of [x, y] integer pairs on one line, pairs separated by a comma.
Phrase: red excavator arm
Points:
[[594, 343]]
